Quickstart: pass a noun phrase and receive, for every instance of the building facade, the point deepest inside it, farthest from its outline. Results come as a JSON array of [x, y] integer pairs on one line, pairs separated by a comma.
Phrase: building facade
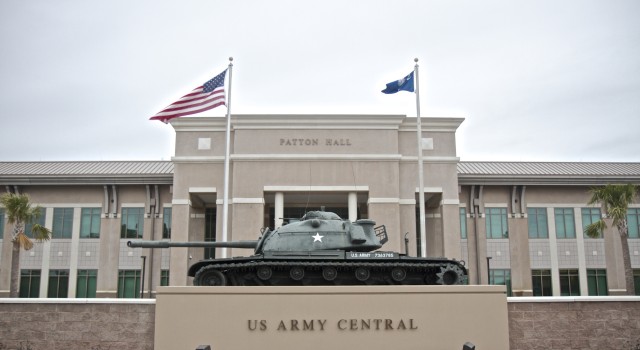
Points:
[[514, 223]]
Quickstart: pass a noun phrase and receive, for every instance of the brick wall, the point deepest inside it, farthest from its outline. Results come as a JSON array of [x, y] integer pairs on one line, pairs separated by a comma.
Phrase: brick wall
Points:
[[76, 324], [115, 324], [574, 323]]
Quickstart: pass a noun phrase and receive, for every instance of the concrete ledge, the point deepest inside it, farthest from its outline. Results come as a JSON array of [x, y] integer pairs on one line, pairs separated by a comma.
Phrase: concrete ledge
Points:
[[75, 301], [332, 290], [571, 299]]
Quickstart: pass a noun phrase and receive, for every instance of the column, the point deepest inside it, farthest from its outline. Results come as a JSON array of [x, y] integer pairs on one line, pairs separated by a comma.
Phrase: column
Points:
[[107, 284], [278, 210], [553, 252], [353, 206], [179, 258], [582, 261], [385, 211], [75, 247], [46, 256], [519, 256], [450, 230]]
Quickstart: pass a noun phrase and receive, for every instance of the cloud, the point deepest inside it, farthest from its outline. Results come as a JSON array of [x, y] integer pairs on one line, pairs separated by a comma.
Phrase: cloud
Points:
[[535, 80]]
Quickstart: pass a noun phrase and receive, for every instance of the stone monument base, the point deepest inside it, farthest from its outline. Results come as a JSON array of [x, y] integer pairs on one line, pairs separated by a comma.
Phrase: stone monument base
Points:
[[335, 317]]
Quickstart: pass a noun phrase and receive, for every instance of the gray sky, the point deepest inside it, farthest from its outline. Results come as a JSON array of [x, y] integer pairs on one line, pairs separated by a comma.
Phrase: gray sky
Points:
[[536, 80]]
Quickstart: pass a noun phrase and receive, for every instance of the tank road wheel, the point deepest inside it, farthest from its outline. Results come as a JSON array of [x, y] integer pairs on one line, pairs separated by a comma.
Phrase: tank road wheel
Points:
[[329, 273], [362, 274], [209, 276], [450, 274], [296, 273], [398, 274], [264, 273]]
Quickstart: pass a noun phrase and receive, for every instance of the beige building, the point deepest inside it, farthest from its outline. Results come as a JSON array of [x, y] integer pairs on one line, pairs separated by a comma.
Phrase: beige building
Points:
[[526, 217]]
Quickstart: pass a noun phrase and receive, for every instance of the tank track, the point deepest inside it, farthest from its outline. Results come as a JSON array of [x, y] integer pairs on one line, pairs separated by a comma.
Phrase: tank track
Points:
[[292, 273]]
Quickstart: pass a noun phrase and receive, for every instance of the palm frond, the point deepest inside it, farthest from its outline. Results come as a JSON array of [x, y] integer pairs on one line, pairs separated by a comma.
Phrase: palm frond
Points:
[[618, 214], [41, 233], [595, 229], [35, 212], [615, 200], [24, 241], [598, 195], [19, 212], [16, 206]]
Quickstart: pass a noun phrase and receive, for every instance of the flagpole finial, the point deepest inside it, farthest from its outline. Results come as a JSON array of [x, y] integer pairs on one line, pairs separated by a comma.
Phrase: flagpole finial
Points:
[[231, 59], [415, 60]]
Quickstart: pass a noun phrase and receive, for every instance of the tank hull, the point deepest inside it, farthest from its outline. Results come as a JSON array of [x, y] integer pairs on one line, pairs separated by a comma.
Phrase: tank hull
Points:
[[312, 268]]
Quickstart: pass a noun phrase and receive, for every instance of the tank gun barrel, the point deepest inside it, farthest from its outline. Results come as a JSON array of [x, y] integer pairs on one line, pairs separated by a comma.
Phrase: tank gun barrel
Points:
[[168, 244]]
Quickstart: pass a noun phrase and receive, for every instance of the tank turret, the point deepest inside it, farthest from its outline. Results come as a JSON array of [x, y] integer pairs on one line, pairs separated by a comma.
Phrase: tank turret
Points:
[[320, 249]]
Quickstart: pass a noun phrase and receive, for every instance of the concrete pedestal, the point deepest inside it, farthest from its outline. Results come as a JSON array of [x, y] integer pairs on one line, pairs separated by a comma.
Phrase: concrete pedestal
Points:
[[349, 317]]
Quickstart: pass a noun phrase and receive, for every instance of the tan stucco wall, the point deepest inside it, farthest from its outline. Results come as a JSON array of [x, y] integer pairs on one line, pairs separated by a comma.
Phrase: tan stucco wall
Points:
[[50, 197], [374, 155]]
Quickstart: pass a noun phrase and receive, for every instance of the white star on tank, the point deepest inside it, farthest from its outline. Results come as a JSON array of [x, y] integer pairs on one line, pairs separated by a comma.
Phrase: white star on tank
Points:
[[317, 237]]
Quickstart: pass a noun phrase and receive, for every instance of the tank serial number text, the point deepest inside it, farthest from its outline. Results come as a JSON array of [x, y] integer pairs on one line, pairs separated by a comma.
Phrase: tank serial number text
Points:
[[372, 255]]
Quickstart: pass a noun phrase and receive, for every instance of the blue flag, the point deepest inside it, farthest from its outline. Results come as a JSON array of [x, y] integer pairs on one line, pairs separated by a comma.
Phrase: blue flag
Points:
[[405, 84]]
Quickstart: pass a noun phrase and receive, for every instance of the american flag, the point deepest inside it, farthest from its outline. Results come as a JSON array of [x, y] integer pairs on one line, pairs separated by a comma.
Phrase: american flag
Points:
[[203, 98]]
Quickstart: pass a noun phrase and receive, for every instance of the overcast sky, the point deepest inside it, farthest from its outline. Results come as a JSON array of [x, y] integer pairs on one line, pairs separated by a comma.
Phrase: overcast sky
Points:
[[536, 80]]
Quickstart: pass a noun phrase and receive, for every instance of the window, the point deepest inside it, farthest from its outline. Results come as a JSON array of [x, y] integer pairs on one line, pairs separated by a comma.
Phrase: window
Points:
[[496, 223], [463, 223], [538, 226], [569, 282], [29, 283], [597, 282], [90, 223], [633, 219], [210, 231], [565, 224], [541, 280], [164, 277], [129, 284], [132, 223], [166, 223], [636, 280], [62, 222], [501, 277], [589, 216], [28, 227], [58, 284], [86, 285]]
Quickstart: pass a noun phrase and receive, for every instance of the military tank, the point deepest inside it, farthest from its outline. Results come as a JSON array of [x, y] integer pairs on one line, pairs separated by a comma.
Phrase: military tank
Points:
[[320, 249]]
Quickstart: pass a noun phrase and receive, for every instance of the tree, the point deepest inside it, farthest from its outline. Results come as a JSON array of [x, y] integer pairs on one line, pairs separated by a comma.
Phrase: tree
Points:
[[19, 213], [615, 200]]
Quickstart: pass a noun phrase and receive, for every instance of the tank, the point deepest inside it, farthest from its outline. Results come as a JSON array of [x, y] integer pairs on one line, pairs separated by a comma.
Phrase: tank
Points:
[[320, 249]]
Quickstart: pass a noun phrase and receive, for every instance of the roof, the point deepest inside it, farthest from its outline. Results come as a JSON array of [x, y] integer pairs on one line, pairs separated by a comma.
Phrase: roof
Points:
[[469, 173], [560, 173], [86, 172]]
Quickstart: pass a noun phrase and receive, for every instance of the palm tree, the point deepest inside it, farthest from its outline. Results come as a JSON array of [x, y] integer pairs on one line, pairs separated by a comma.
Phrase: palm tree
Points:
[[20, 212], [615, 200]]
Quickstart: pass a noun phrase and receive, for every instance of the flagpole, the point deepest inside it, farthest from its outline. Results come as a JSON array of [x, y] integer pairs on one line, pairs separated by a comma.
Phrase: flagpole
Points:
[[423, 232], [225, 200]]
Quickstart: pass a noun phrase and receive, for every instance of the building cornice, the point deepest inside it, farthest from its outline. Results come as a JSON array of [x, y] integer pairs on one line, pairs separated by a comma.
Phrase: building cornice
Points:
[[432, 124], [59, 180], [290, 121], [540, 180], [317, 121]]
